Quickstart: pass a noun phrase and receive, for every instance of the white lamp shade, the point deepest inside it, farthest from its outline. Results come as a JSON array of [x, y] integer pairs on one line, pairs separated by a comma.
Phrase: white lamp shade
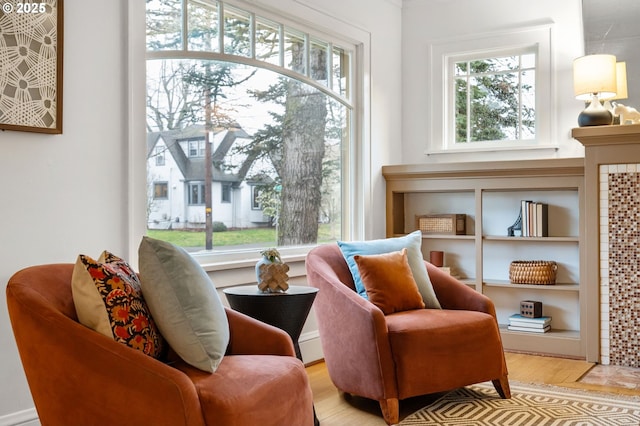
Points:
[[621, 82], [594, 74]]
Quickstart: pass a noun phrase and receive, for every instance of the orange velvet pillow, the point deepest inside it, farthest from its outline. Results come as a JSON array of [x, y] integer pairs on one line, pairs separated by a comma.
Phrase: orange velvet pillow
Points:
[[389, 282]]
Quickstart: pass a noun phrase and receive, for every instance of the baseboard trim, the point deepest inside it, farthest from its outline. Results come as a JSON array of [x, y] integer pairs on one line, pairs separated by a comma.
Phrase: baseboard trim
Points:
[[21, 418], [310, 347]]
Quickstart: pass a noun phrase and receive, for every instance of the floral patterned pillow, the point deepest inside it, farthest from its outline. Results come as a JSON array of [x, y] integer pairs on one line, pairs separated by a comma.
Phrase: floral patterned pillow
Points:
[[108, 299]]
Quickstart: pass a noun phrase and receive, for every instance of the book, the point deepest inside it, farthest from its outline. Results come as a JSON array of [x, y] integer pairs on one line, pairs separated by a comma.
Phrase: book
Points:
[[545, 320], [529, 329], [528, 324], [524, 207], [542, 220]]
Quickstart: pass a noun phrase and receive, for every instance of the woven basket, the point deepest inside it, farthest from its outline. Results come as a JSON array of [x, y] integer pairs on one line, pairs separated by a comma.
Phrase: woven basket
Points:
[[539, 272]]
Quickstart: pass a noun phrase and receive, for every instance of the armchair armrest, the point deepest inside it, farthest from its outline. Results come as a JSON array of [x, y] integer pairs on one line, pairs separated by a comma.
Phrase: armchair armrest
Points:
[[452, 294], [252, 337]]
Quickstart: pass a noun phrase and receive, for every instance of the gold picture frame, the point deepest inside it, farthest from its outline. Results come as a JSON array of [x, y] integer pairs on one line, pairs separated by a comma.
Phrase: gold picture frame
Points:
[[31, 65]]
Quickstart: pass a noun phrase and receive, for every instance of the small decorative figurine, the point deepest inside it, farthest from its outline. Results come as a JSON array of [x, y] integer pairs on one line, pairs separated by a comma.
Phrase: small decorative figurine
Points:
[[271, 272], [628, 115]]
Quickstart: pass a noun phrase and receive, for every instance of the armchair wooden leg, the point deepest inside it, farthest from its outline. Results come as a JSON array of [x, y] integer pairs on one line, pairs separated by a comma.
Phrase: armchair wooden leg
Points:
[[390, 410], [502, 387]]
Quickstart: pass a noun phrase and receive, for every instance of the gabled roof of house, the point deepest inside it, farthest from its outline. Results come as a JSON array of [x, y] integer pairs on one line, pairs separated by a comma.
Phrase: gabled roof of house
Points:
[[193, 168]]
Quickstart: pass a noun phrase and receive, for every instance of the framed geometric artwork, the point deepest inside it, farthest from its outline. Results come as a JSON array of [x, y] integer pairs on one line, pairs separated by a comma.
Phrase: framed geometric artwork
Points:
[[31, 65]]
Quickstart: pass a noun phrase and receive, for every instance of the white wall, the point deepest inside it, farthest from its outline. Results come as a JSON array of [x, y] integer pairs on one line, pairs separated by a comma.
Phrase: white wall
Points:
[[427, 21], [68, 194]]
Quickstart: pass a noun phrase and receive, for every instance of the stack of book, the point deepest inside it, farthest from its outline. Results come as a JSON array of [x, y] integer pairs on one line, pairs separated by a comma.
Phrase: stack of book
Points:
[[518, 322], [534, 219]]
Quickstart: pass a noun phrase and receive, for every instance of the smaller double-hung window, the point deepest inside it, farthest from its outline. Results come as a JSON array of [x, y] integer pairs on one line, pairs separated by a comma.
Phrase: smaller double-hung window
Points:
[[492, 92], [495, 98]]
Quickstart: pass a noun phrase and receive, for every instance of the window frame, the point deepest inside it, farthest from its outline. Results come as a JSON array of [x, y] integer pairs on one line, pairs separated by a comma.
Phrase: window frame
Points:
[[357, 192], [160, 155], [444, 54], [469, 75], [225, 193], [201, 188], [158, 184]]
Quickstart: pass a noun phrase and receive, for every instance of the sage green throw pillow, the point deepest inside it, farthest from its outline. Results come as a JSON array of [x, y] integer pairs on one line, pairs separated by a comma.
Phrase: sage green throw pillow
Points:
[[184, 303]]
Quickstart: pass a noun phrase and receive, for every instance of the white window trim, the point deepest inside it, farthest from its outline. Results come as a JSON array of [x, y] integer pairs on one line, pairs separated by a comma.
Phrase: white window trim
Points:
[[359, 189], [440, 58]]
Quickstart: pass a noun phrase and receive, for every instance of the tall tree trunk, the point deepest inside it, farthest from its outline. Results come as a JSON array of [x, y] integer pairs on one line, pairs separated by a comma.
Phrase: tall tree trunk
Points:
[[303, 148], [301, 172]]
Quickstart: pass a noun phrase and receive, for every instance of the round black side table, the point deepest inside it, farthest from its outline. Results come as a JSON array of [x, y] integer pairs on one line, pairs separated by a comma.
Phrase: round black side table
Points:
[[287, 311]]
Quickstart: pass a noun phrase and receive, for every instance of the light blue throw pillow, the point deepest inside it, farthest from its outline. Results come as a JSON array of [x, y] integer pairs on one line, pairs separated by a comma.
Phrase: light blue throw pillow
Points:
[[412, 242]]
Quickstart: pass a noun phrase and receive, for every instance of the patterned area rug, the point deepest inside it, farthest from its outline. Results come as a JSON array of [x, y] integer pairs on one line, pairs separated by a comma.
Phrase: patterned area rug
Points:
[[530, 405]]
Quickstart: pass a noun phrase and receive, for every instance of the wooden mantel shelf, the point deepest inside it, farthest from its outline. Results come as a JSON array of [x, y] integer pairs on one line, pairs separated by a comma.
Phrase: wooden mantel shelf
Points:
[[607, 135]]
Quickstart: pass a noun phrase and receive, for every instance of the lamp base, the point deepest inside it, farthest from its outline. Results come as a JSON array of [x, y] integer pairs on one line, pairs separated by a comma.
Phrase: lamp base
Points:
[[595, 118], [595, 114]]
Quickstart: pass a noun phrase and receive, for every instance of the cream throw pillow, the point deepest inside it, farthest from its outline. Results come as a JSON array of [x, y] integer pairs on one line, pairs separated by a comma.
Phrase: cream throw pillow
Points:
[[184, 302]]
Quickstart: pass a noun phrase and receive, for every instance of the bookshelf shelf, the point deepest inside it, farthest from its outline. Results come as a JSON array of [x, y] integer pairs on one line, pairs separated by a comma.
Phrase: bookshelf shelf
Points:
[[555, 287], [531, 239], [490, 195]]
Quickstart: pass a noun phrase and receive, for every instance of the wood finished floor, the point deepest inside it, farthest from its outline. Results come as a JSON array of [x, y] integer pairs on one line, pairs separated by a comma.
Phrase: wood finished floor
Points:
[[336, 409]]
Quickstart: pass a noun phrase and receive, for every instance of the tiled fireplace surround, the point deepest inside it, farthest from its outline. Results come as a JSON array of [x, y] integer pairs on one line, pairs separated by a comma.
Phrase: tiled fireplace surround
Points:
[[619, 269], [612, 210]]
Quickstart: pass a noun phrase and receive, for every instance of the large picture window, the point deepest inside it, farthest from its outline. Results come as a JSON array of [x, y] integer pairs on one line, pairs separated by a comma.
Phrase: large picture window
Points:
[[241, 99]]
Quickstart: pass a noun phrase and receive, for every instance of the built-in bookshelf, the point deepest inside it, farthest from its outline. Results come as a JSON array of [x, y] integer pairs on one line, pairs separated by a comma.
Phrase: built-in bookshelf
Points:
[[491, 195]]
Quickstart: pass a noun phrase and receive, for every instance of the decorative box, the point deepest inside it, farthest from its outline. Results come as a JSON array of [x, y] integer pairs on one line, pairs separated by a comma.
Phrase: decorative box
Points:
[[453, 224], [531, 309], [541, 272]]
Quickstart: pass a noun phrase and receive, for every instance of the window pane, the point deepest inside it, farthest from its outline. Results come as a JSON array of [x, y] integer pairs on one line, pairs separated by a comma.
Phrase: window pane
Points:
[[268, 131], [499, 102], [294, 51], [460, 68], [160, 190], [226, 193], [319, 58], [461, 115], [528, 104], [236, 32], [164, 24], [267, 41], [493, 113], [203, 26], [529, 60], [494, 64], [341, 66]]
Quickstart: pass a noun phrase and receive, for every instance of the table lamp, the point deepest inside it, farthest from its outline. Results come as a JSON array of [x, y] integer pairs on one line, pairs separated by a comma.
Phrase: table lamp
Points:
[[594, 77]]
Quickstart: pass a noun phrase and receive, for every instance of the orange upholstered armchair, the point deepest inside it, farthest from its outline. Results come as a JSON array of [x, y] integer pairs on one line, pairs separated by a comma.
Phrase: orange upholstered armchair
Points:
[[409, 353], [80, 377]]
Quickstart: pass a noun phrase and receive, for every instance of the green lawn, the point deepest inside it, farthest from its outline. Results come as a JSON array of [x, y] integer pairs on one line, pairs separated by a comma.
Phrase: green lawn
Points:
[[266, 236]]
